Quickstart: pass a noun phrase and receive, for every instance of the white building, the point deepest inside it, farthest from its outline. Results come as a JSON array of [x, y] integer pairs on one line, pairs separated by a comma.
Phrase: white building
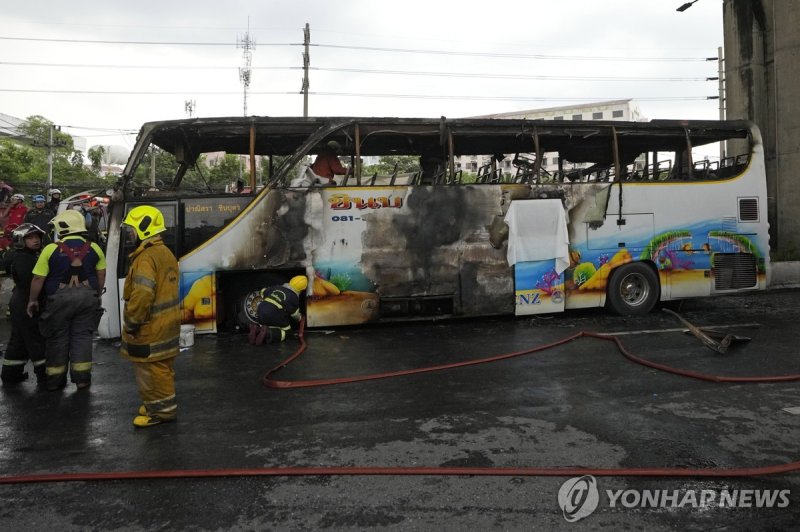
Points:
[[626, 110]]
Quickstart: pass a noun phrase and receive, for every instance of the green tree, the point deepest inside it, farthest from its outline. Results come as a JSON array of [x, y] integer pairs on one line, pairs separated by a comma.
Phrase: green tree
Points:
[[17, 161], [226, 170], [167, 168], [96, 157], [27, 164], [386, 165]]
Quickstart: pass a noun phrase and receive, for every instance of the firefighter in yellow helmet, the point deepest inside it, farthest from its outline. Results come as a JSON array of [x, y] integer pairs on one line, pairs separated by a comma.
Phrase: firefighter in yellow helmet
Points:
[[151, 321], [279, 305], [71, 273]]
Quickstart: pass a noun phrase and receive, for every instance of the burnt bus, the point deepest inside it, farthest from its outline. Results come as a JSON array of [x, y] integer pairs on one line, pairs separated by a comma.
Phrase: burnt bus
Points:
[[483, 217]]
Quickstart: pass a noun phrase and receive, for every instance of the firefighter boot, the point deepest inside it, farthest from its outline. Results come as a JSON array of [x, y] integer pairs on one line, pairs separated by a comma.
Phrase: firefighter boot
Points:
[[149, 421], [251, 335], [11, 378], [41, 375], [263, 335]]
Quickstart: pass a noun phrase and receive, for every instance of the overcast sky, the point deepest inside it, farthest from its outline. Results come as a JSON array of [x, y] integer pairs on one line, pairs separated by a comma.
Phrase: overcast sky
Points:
[[490, 56]]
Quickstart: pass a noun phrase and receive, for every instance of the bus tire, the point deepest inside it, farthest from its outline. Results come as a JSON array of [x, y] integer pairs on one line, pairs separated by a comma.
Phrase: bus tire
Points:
[[633, 289], [237, 290]]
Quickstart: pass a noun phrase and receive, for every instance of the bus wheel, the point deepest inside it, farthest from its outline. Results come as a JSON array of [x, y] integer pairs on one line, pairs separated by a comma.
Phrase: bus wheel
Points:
[[633, 289]]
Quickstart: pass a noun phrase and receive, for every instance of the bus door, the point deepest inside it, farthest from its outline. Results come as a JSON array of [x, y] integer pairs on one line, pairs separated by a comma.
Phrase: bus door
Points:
[[169, 209], [538, 250]]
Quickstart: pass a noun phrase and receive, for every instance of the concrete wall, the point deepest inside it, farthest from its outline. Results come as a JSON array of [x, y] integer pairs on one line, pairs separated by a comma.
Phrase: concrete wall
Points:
[[762, 76]]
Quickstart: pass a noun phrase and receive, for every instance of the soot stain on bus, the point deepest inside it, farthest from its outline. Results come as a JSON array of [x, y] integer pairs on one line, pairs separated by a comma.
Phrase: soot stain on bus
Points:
[[439, 249]]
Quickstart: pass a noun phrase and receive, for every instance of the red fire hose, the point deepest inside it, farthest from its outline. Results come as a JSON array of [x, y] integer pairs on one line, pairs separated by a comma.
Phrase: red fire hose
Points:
[[442, 471], [271, 383]]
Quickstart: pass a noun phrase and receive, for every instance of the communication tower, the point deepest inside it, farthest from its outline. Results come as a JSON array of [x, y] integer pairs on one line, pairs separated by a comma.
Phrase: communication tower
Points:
[[247, 45]]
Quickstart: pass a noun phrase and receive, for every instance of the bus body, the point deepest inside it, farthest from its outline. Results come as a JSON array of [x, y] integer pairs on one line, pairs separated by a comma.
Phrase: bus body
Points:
[[632, 216]]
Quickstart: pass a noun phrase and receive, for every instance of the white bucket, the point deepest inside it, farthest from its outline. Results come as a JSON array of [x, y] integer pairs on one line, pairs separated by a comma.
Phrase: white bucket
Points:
[[187, 336]]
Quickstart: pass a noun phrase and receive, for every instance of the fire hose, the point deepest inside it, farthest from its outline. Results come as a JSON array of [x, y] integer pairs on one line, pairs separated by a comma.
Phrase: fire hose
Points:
[[269, 382]]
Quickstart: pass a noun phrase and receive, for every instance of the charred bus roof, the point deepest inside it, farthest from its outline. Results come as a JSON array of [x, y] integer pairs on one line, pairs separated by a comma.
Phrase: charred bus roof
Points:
[[297, 137]]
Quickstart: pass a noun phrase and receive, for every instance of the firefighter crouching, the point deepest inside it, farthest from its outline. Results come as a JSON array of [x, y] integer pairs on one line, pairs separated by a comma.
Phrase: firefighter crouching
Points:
[[152, 318], [26, 341], [72, 273], [279, 305]]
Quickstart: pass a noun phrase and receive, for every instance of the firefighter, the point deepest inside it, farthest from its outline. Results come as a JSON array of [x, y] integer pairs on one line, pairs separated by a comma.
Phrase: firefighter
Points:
[[279, 305], [40, 215], [55, 199], [152, 317], [72, 273], [26, 341]]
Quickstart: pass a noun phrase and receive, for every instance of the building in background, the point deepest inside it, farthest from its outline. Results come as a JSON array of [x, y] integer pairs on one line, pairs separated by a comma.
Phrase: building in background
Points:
[[9, 127], [626, 110]]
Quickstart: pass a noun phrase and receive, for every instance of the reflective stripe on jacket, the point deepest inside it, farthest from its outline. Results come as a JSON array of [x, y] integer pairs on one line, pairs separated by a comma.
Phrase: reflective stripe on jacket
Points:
[[151, 321]]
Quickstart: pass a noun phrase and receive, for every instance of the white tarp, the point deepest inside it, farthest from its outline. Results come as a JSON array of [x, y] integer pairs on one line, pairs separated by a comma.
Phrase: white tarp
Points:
[[538, 231]]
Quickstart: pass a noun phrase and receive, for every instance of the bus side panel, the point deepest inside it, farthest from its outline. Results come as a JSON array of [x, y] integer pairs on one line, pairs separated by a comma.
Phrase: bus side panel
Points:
[[268, 234], [691, 222], [198, 300], [412, 246]]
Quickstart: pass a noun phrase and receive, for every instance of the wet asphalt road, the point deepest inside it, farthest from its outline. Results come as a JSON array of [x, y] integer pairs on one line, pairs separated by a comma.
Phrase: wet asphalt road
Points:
[[581, 404]]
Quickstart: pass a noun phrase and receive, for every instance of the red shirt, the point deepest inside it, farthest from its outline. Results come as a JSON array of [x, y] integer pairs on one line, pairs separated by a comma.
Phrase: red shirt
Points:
[[16, 215], [327, 164]]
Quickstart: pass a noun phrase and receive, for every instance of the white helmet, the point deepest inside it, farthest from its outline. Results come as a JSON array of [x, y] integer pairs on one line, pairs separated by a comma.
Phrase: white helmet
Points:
[[18, 197], [54, 191]]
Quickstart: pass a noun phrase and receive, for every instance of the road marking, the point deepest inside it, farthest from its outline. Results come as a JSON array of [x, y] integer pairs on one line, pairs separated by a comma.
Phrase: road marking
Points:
[[681, 329], [793, 410]]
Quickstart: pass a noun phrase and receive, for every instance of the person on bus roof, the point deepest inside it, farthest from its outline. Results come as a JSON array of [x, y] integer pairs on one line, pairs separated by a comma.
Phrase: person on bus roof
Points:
[[279, 305], [72, 274], [327, 163], [152, 316]]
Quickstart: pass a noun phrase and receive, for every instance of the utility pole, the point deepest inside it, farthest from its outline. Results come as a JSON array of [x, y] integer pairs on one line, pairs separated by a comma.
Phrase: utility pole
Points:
[[306, 62], [51, 143], [721, 74], [50, 159], [247, 45], [152, 167]]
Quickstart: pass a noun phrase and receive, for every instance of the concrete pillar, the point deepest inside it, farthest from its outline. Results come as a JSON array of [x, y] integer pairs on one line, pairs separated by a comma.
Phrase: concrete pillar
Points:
[[762, 76]]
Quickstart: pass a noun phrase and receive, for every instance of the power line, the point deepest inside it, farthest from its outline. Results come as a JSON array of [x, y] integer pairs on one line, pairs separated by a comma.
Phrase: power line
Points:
[[362, 95], [504, 76], [483, 75], [508, 55], [378, 49], [512, 98], [169, 43]]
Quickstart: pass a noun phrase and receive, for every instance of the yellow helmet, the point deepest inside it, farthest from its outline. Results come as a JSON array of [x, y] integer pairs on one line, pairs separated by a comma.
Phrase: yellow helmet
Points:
[[299, 283], [146, 220], [69, 223]]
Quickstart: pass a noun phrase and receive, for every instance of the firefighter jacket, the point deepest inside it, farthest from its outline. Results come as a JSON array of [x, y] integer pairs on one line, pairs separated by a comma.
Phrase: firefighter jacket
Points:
[[151, 321], [55, 263], [40, 218], [20, 266], [278, 304]]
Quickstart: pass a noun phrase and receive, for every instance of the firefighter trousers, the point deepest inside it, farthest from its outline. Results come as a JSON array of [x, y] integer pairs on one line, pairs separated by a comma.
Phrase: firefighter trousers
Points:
[[68, 322], [156, 383], [26, 342]]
